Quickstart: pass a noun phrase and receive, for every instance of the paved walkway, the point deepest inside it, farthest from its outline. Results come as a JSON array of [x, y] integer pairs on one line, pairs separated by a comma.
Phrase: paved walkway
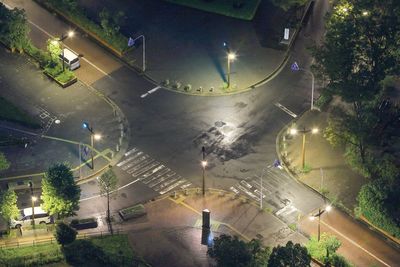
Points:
[[331, 175]]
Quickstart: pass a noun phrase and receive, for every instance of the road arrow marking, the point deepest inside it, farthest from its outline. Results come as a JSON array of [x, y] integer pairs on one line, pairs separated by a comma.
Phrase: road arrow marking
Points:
[[150, 91], [286, 110]]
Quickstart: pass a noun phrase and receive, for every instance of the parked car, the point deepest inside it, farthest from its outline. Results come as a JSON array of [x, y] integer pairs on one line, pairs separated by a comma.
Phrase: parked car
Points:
[[25, 218]]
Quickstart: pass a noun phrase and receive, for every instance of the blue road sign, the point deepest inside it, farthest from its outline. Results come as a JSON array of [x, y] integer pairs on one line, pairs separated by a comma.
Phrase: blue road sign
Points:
[[277, 163], [131, 42], [295, 66]]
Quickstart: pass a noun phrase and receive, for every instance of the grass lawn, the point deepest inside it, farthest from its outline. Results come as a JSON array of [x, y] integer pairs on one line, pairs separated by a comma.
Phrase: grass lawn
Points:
[[9, 112], [241, 9], [31, 255], [115, 246]]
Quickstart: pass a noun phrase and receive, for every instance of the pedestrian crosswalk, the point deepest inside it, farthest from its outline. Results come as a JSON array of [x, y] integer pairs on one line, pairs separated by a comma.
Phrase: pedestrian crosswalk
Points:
[[151, 172], [275, 192]]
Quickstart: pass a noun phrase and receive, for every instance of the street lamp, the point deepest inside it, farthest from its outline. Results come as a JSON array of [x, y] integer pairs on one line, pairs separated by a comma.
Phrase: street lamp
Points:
[[131, 42], [231, 57], [204, 165], [328, 208], [33, 210], [295, 67], [93, 136], [304, 131], [60, 40]]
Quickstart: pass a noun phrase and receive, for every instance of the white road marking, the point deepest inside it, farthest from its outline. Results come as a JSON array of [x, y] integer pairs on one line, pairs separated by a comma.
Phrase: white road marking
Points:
[[355, 244], [150, 91], [286, 110]]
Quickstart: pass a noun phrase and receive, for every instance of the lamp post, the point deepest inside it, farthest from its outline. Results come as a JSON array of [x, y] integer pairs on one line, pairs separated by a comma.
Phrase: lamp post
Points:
[[231, 57], [304, 131], [204, 164], [60, 40], [295, 67], [131, 42], [93, 136], [320, 212], [33, 210]]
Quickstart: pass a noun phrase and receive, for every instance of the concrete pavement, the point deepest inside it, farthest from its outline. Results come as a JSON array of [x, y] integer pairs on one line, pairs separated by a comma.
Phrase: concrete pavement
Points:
[[332, 176]]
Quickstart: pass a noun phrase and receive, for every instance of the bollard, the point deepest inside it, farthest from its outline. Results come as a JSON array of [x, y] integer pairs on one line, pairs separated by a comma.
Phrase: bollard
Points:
[[117, 148]]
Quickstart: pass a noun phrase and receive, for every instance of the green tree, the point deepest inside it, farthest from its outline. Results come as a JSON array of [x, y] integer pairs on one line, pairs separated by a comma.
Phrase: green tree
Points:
[[288, 4], [65, 234], [378, 202], [324, 249], [60, 193], [108, 185], [54, 49], [230, 251], [110, 22], [13, 27], [291, 255], [4, 163], [8, 206]]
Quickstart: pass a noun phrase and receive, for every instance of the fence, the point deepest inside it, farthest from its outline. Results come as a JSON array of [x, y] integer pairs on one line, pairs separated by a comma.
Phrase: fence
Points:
[[47, 240]]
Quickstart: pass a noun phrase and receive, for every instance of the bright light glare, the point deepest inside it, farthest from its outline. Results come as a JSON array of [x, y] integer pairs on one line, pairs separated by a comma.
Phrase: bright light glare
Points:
[[204, 163], [34, 199], [365, 13], [312, 218], [231, 56], [97, 137], [293, 131], [328, 208], [314, 130], [71, 33]]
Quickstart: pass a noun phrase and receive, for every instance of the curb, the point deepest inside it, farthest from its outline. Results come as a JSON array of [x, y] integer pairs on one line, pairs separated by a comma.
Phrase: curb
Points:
[[294, 176], [120, 57]]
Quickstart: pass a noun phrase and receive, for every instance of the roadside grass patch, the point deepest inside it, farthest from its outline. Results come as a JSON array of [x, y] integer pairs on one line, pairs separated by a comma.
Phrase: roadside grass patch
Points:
[[10, 112], [240, 9], [31, 255]]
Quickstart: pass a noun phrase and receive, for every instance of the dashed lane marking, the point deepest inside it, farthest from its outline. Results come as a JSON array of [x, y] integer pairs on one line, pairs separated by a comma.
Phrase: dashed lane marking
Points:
[[286, 110]]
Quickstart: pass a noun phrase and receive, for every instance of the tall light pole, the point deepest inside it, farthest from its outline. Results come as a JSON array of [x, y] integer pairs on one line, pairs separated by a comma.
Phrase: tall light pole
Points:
[[93, 136], [304, 131], [33, 210], [295, 67], [204, 164], [60, 40], [131, 42], [231, 57], [320, 212]]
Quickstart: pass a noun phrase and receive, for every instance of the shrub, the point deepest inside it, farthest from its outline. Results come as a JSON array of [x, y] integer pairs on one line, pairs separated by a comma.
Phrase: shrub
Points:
[[65, 234], [85, 253]]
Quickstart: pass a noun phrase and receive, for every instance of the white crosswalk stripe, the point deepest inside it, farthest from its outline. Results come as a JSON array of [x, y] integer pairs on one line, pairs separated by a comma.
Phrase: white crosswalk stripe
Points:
[[150, 172]]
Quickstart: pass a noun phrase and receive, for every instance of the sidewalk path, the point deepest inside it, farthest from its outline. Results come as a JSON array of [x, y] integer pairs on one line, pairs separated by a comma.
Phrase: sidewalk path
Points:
[[359, 244]]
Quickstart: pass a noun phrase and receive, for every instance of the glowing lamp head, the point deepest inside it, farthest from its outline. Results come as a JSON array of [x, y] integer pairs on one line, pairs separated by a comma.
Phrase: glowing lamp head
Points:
[[204, 163], [71, 34], [97, 136], [34, 198], [293, 131], [312, 218], [314, 130], [85, 125], [328, 208], [231, 56]]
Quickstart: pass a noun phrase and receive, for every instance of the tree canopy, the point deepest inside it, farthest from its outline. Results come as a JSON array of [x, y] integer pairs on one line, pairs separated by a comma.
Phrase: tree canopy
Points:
[[65, 234], [231, 251], [13, 27], [8, 205], [291, 255], [60, 193], [4, 163]]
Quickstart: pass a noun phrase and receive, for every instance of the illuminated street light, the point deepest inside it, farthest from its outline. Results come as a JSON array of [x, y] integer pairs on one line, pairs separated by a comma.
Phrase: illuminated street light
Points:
[[93, 136], [320, 212], [33, 210], [294, 131], [204, 164], [60, 41], [231, 57]]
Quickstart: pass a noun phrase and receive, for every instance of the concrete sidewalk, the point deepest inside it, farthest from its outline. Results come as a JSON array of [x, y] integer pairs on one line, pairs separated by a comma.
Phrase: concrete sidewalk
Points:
[[332, 176]]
